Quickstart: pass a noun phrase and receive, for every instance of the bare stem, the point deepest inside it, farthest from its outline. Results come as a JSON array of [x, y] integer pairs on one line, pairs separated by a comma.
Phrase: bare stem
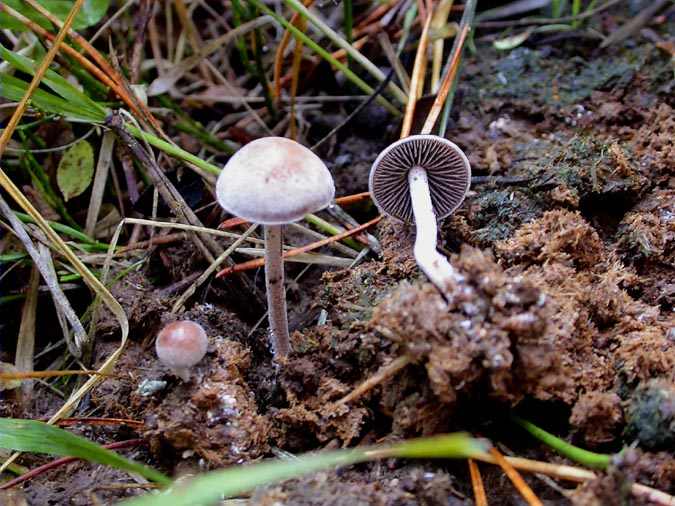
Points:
[[433, 264], [276, 294]]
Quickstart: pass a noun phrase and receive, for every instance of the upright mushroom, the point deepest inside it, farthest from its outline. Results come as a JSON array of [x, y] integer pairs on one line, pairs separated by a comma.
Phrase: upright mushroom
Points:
[[181, 345], [273, 181], [422, 178]]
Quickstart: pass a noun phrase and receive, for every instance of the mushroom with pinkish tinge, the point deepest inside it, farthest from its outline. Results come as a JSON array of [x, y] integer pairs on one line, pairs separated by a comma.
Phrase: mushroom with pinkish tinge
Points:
[[274, 181], [181, 345]]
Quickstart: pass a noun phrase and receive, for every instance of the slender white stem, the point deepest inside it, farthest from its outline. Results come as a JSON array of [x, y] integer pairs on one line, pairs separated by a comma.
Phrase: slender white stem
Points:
[[433, 264], [276, 293]]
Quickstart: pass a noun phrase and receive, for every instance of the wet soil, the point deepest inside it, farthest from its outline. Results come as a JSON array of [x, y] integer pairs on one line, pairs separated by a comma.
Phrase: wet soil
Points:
[[566, 314]]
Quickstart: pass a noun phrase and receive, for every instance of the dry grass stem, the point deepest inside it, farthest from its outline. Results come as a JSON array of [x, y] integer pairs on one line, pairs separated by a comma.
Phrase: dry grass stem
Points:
[[417, 80], [517, 480], [444, 89], [25, 344], [477, 484], [180, 301], [384, 373]]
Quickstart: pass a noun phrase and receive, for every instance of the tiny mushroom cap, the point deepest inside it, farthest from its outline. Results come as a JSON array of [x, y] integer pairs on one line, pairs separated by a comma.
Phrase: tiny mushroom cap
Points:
[[448, 172], [274, 180], [180, 345]]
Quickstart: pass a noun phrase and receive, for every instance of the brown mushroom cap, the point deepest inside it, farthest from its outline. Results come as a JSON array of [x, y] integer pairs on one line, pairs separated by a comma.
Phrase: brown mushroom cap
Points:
[[274, 180], [181, 344], [448, 172]]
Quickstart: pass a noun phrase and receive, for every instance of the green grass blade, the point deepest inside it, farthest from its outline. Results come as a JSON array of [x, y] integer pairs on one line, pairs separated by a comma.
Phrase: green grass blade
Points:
[[91, 13], [348, 9], [215, 485], [12, 88], [208, 488], [459, 444], [12, 257], [369, 66], [299, 34], [56, 82], [38, 437], [172, 150], [590, 459], [66, 230]]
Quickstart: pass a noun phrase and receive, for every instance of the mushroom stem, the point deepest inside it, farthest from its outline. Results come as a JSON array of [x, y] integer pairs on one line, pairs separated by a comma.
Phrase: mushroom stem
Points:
[[182, 372], [276, 293], [433, 264]]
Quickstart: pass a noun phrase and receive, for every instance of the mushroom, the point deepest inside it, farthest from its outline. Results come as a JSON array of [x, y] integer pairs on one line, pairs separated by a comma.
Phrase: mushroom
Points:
[[180, 345], [422, 178], [274, 181]]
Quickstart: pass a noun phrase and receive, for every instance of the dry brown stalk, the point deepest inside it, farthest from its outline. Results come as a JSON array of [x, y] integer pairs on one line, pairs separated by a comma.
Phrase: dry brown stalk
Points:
[[477, 484], [517, 480]]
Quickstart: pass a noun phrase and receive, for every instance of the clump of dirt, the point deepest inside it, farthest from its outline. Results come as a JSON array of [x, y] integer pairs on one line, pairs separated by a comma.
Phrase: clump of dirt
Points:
[[217, 420], [573, 254], [603, 174], [646, 240], [647, 232], [311, 390], [214, 416], [569, 241], [643, 354], [598, 417], [606, 340], [654, 143], [84, 486], [397, 255], [142, 302], [372, 485], [629, 467], [493, 335]]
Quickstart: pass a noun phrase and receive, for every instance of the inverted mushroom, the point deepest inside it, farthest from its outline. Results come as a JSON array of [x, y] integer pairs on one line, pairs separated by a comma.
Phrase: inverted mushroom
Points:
[[422, 179], [274, 181]]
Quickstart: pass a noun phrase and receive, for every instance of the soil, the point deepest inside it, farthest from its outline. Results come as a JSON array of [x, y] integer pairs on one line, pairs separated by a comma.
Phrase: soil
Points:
[[565, 315]]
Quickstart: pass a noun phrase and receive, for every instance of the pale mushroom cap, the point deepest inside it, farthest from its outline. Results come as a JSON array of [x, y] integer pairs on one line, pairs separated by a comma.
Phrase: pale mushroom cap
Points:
[[448, 172], [181, 344], [274, 180]]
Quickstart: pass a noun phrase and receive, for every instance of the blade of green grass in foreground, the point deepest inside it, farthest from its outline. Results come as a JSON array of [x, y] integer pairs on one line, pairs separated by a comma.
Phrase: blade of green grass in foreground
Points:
[[38, 437], [215, 485], [584, 457]]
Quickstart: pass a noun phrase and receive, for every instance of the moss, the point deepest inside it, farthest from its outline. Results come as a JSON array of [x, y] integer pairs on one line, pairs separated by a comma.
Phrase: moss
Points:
[[651, 414], [539, 78], [497, 214]]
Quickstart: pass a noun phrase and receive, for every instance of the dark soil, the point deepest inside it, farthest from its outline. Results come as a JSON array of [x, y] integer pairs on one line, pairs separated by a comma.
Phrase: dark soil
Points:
[[566, 317]]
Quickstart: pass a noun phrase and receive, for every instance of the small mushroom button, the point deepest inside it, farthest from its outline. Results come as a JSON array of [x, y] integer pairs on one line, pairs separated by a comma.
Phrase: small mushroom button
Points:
[[180, 346]]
